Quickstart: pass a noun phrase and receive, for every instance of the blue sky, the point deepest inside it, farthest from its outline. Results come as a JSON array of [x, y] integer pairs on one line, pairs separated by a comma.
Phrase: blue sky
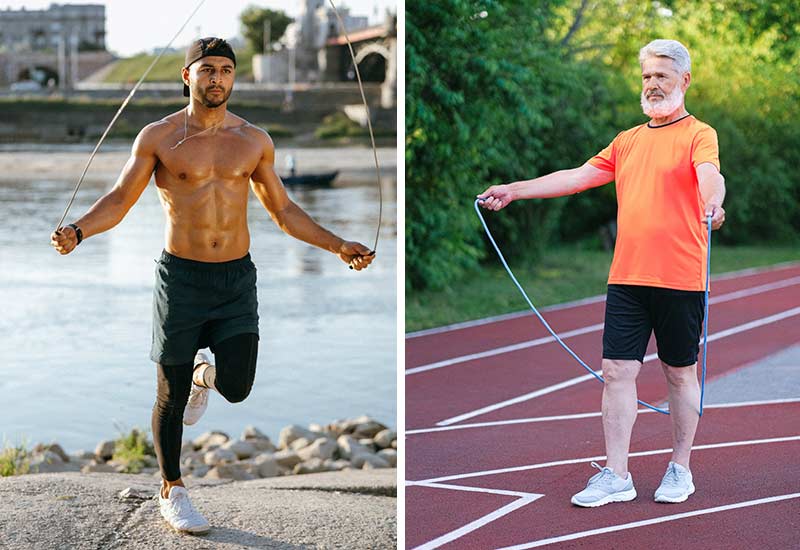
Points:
[[147, 24]]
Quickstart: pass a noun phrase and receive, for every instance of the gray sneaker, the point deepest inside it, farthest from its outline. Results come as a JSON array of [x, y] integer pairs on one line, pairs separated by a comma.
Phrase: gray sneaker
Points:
[[605, 487], [676, 486]]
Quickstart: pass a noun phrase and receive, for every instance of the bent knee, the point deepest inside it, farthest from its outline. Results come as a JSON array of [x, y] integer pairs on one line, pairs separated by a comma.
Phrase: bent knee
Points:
[[617, 370], [235, 394]]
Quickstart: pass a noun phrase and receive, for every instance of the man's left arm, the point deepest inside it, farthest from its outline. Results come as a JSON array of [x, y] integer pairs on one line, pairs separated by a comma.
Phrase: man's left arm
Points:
[[294, 221], [712, 191]]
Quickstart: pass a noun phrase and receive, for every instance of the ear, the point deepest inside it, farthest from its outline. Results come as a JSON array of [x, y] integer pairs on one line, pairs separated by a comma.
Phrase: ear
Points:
[[687, 79], [185, 75]]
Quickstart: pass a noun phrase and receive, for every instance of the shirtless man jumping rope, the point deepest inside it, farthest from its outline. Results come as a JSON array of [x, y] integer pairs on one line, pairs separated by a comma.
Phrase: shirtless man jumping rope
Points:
[[204, 157]]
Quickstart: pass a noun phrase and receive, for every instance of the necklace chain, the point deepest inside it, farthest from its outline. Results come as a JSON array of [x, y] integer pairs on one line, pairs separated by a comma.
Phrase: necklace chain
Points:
[[186, 129]]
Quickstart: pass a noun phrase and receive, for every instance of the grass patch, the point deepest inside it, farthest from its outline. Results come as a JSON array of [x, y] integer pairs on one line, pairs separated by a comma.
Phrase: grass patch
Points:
[[563, 274], [277, 130], [14, 460], [132, 450], [168, 68]]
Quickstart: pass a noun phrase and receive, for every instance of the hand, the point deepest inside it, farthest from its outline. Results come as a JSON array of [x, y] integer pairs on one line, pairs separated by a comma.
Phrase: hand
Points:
[[717, 214], [496, 197], [64, 240], [356, 255]]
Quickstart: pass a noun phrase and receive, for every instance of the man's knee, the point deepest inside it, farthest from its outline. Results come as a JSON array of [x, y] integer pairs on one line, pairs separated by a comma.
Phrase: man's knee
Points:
[[620, 370], [680, 376], [236, 392]]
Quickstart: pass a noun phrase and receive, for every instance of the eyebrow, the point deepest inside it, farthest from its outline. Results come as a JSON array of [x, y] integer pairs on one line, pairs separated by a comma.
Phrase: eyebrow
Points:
[[224, 66]]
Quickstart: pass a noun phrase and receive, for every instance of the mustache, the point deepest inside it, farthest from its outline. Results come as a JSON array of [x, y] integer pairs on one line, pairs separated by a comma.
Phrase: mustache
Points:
[[655, 93]]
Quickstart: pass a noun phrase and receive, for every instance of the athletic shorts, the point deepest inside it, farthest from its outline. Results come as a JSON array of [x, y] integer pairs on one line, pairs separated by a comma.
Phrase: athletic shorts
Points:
[[633, 312], [199, 304]]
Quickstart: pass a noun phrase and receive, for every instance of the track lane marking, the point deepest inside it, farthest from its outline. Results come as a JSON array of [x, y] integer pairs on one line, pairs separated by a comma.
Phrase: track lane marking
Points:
[[722, 298], [652, 521], [578, 416], [575, 303], [577, 380], [566, 462], [477, 524]]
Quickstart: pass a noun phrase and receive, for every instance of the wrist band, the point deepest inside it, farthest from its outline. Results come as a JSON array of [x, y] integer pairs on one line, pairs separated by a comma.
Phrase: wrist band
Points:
[[78, 232]]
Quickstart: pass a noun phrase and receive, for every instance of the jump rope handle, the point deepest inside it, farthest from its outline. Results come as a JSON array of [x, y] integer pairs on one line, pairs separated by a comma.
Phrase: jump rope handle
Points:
[[372, 253]]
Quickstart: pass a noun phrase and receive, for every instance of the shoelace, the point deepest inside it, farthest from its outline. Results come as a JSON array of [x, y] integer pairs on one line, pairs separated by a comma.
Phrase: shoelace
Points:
[[673, 477], [605, 474]]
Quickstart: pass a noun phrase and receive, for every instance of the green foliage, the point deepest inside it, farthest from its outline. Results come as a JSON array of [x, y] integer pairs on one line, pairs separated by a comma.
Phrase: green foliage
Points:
[[499, 91], [254, 20], [14, 460], [132, 449]]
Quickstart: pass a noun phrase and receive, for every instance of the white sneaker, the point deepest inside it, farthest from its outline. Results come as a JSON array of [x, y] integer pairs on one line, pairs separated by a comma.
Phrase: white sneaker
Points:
[[178, 511], [676, 486], [605, 487], [198, 396]]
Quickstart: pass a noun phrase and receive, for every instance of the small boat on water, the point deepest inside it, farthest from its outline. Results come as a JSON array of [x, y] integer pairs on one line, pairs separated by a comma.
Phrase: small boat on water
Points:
[[322, 179]]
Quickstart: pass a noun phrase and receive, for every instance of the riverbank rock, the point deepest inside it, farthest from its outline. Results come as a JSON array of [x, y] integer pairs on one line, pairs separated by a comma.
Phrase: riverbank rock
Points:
[[267, 465], [105, 450], [384, 438], [389, 455], [287, 458], [349, 447], [313, 466], [53, 448], [209, 440], [219, 456], [237, 472], [322, 448], [292, 433], [242, 449]]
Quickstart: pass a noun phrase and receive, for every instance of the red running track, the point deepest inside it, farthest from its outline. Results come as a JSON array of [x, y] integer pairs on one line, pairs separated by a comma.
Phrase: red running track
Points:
[[757, 481]]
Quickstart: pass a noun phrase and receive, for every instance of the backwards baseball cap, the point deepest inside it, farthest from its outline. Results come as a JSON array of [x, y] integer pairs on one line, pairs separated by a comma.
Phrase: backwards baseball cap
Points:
[[204, 47]]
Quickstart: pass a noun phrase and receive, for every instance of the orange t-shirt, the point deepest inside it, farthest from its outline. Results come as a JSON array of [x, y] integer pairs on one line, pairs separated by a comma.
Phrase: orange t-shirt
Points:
[[661, 240]]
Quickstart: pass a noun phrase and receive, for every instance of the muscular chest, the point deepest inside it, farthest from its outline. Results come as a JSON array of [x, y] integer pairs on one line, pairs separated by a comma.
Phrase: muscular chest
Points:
[[219, 159]]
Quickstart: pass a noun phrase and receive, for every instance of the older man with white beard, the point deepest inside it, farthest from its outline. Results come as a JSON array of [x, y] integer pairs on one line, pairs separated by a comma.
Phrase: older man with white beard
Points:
[[668, 182]]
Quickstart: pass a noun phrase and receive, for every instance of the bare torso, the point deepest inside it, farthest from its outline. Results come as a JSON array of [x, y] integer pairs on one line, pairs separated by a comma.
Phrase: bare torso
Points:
[[203, 185]]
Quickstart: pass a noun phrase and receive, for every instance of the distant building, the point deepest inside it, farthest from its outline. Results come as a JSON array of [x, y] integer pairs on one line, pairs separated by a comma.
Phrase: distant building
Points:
[[302, 58], [39, 30], [53, 47]]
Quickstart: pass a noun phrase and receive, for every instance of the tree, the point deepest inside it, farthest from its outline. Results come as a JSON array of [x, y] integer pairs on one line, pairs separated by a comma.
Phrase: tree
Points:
[[254, 19]]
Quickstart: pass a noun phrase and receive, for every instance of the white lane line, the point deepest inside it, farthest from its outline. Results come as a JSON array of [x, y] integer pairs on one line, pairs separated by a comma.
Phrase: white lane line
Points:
[[503, 349], [577, 380], [578, 416], [541, 465], [518, 494], [474, 525], [505, 317], [722, 298], [583, 301], [652, 521]]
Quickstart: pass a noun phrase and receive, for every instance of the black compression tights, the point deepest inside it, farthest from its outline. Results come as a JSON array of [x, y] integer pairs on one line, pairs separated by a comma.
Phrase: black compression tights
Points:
[[235, 362]]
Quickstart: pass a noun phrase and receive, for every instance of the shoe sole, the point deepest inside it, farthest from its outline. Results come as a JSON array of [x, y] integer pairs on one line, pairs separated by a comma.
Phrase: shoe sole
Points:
[[681, 498], [196, 531], [623, 496]]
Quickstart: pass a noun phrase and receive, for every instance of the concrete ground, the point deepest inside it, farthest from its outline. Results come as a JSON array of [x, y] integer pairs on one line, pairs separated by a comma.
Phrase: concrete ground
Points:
[[348, 510]]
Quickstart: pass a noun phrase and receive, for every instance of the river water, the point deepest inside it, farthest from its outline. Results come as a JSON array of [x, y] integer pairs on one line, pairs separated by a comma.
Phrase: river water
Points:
[[76, 330]]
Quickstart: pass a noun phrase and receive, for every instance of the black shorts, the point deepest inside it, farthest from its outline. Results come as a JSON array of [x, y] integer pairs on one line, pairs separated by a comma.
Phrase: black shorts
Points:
[[633, 312], [200, 304]]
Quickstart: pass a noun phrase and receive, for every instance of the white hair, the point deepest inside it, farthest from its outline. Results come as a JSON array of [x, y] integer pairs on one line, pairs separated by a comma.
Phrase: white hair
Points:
[[672, 49]]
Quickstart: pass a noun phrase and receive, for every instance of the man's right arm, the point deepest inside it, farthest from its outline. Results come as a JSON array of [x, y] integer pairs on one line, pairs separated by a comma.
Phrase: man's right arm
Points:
[[111, 208], [557, 184]]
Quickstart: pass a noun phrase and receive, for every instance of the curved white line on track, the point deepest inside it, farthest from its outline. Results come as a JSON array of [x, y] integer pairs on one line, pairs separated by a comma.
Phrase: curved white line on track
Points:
[[652, 521], [527, 467], [578, 416], [722, 298], [477, 524], [583, 301], [577, 380]]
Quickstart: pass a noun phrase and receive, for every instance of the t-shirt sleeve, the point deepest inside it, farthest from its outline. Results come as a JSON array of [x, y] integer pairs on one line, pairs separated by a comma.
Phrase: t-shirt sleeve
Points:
[[607, 158], [705, 147]]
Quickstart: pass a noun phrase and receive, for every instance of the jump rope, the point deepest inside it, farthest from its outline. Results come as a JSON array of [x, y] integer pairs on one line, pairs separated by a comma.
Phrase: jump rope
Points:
[[161, 53], [567, 348]]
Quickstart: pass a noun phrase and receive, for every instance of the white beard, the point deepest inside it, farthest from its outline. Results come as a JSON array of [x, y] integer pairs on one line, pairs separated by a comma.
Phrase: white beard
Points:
[[664, 107]]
